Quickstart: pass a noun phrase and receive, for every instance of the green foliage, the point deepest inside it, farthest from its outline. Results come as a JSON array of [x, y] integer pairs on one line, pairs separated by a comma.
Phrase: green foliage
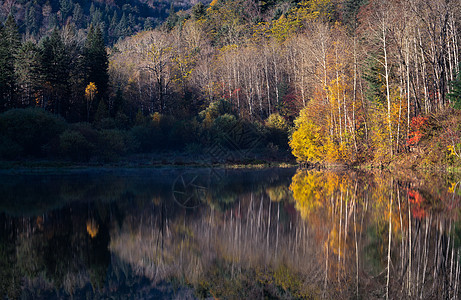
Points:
[[112, 144], [223, 124], [455, 95], [27, 67], [96, 60], [9, 149], [9, 45], [375, 92], [55, 68], [351, 9], [215, 109], [198, 11], [101, 113], [278, 130], [30, 129], [75, 146]]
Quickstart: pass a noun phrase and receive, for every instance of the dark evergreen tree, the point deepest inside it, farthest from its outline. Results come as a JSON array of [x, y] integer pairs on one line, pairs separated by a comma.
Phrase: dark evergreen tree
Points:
[[65, 6], [198, 11], [123, 29], [96, 17], [113, 33], [76, 80], [55, 65], [77, 15], [117, 103], [131, 21], [27, 73], [351, 9], [96, 61], [172, 18], [455, 95], [52, 21], [31, 20], [372, 74], [9, 44], [149, 24]]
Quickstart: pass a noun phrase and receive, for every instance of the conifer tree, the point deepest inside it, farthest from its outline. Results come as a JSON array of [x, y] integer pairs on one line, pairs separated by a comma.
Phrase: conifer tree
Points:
[[96, 60], [27, 73], [123, 30], [9, 44], [455, 94], [77, 15], [31, 20], [54, 69]]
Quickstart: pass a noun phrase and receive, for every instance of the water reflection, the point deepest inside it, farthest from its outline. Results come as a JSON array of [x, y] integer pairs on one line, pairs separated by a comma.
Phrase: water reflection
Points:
[[170, 233]]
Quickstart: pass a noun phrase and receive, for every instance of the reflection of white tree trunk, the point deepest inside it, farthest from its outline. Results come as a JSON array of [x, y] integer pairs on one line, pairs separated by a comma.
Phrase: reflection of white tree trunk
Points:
[[410, 249], [356, 244], [389, 248], [339, 235]]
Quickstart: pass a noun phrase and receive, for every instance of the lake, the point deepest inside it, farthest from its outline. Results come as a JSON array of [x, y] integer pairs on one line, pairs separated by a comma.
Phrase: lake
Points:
[[179, 233]]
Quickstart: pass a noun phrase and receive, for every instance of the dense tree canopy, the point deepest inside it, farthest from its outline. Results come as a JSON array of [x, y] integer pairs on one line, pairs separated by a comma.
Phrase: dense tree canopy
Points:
[[358, 71]]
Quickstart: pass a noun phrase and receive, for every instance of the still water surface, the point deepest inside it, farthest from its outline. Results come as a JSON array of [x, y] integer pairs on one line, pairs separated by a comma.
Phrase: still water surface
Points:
[[229, 234]]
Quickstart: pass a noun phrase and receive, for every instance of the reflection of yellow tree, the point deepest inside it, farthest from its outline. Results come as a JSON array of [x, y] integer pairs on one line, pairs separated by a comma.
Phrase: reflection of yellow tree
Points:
[[313, 190], [92, 228], [328, 201], [278, 193], [307, 191]]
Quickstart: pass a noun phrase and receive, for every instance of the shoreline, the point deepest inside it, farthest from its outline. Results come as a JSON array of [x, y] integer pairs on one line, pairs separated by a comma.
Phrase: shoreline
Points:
[[44, 166]]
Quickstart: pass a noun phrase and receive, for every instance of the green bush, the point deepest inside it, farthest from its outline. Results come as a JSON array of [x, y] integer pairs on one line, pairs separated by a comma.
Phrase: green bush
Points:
[[31, 129], [106, 123], [277, 131], [9, 149], [193, 148], [112, 144], [146, 138], [88, 132], [164, 132], [122, 121], [75, 146]]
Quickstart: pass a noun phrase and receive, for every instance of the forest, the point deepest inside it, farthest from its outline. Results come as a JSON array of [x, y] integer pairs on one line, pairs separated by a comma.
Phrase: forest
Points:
[[350, 82]]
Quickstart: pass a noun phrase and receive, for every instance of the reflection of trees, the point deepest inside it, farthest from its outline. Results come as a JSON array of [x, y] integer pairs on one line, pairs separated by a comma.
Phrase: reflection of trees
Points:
[[389, 235], [64, 250], [224, 253], [331, 234], [54, 254], [9, 275]]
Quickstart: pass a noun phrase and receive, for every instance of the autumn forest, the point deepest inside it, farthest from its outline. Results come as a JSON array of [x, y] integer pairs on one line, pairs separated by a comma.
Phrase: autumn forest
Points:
[[350, 82], [235, 149]]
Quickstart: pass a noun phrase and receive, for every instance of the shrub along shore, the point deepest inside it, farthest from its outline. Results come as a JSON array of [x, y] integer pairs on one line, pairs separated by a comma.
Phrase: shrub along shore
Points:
[[34, 137]]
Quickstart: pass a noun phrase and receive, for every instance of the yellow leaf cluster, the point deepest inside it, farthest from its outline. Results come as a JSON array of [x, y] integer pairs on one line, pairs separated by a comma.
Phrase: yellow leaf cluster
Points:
[[307, 141], [90, 91]]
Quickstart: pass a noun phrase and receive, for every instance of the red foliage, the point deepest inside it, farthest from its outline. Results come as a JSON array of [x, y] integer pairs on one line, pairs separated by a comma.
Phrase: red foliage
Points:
[[418, 125], [290, 106], [417, 202]]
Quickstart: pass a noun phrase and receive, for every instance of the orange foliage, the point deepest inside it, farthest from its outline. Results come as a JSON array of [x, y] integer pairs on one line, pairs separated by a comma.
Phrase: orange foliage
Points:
[[418, 125], [92, 228]]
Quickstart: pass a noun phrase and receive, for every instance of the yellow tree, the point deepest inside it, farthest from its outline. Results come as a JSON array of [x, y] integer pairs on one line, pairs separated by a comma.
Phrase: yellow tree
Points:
[[308, 139], [90, 92]]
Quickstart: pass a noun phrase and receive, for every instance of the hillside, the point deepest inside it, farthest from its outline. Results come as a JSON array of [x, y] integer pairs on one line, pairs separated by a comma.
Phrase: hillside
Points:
[[118, 18], [343, 82]]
